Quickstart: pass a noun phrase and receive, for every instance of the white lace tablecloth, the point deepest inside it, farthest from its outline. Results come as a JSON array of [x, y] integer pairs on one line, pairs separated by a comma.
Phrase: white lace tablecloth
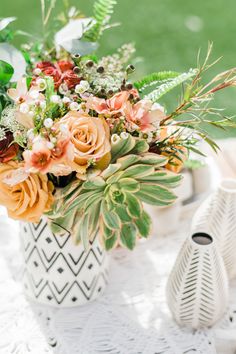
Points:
[[131, 318]]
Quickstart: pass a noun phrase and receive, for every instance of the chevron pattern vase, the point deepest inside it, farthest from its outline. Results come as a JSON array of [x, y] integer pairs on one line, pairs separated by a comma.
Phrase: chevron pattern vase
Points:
[[197, 289], [217, 216], [58, 272]]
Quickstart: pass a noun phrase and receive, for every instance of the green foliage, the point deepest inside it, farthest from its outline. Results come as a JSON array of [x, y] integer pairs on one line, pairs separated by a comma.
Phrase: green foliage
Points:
[[6, 72], [154, 79], [170, 85], [102, 11], [112, 201]]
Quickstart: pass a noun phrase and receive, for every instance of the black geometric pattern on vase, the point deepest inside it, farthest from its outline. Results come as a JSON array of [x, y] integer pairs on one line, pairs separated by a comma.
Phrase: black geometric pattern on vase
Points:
[[58, 272], [197, 289], [217, 216]]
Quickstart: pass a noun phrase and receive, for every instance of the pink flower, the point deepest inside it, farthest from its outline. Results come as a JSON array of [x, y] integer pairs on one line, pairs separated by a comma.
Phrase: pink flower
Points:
[[38, 159], [111, 106], [143, 115], [24, 97]]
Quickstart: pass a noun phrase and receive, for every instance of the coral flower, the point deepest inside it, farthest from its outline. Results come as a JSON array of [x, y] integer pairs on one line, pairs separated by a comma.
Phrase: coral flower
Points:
[[111, 106], [143, 115], [29, 198], [65, 65], [38, 159], [50, 69]]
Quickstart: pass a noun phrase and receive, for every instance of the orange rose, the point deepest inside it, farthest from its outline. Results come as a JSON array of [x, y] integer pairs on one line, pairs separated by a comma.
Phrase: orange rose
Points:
[[29, 198], [91, 139]]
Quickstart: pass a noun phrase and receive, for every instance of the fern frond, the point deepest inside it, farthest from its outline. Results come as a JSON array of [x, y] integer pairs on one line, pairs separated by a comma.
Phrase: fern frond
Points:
[[102, 10], [154, 78], [170, 85]]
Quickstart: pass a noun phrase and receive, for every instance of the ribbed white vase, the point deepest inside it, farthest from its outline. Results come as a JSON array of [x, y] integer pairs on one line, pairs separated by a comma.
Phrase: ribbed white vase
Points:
[[58, 272], [197, 289], [217, 216]]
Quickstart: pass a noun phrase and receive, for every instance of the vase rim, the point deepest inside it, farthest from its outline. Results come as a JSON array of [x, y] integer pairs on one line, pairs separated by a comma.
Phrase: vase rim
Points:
[[228, 185], [198, 237]]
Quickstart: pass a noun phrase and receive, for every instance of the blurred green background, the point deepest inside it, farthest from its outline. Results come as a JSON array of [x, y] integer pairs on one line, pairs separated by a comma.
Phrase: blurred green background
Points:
[[167, 34]]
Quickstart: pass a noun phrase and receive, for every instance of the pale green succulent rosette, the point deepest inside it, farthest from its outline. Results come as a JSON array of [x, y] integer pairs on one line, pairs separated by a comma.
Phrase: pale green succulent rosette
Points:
[[112, 200]]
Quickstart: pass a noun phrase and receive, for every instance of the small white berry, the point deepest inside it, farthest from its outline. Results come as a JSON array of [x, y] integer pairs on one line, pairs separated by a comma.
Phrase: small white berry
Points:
[[64, 128], [66, 100], [34, 94], [42, 104], [74, 106], [48, 123], [37, 71], [55, 99], [50, 145]]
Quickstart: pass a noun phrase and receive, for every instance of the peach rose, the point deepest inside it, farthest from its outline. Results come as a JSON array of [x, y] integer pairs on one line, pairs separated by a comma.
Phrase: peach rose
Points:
[[91, 139], [29, 198]]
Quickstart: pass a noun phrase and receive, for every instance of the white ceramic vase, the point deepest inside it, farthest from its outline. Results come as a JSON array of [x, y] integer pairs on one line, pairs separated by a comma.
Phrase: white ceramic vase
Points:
[[197, 289], [58, 272], [217, 216]]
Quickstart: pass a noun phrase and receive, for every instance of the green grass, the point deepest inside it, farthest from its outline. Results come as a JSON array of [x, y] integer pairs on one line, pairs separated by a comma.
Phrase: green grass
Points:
[[160, 30]]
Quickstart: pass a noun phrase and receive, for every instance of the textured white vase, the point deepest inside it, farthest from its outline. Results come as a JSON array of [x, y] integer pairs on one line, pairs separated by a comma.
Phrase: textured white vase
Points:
[[197, 289], [58, 272], [217, 216]]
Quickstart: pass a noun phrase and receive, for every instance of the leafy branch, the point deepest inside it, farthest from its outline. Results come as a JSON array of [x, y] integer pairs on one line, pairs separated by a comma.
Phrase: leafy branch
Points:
[[103, 10]]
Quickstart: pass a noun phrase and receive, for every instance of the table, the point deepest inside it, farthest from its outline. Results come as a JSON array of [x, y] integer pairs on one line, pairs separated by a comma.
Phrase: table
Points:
[[130, 318]]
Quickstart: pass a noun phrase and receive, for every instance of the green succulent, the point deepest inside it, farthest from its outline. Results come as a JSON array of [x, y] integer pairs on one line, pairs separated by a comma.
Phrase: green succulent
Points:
[[112, 200]]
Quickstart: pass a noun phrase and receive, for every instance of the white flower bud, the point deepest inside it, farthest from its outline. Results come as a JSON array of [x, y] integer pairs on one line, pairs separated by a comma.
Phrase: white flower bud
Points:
[[30, 134], [48, 123], [53, 140]]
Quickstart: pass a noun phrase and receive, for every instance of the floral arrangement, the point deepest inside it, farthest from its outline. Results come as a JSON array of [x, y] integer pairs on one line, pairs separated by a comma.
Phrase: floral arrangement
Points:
[[84, 143]]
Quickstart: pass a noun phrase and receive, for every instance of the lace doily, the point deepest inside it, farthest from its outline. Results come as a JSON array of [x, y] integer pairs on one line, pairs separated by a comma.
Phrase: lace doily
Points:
[[130, 318]]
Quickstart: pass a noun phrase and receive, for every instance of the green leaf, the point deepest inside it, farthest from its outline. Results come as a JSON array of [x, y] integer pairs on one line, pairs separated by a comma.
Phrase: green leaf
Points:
[[140, 147], [84, 231], [94, 216], [163, 177], [128, 235], [5, 22], [154, 159], [127, 161], [115, 178], [102, 11], [144, 224], [110, 170], [166, 87], [154, 78], [122, 213], [110, 218], [163, 193], [6, 72], [14, 57], [110, 238], [152, 199], [129, 185], [134, 206], [122, 146], [94, 183], [138, 171]]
